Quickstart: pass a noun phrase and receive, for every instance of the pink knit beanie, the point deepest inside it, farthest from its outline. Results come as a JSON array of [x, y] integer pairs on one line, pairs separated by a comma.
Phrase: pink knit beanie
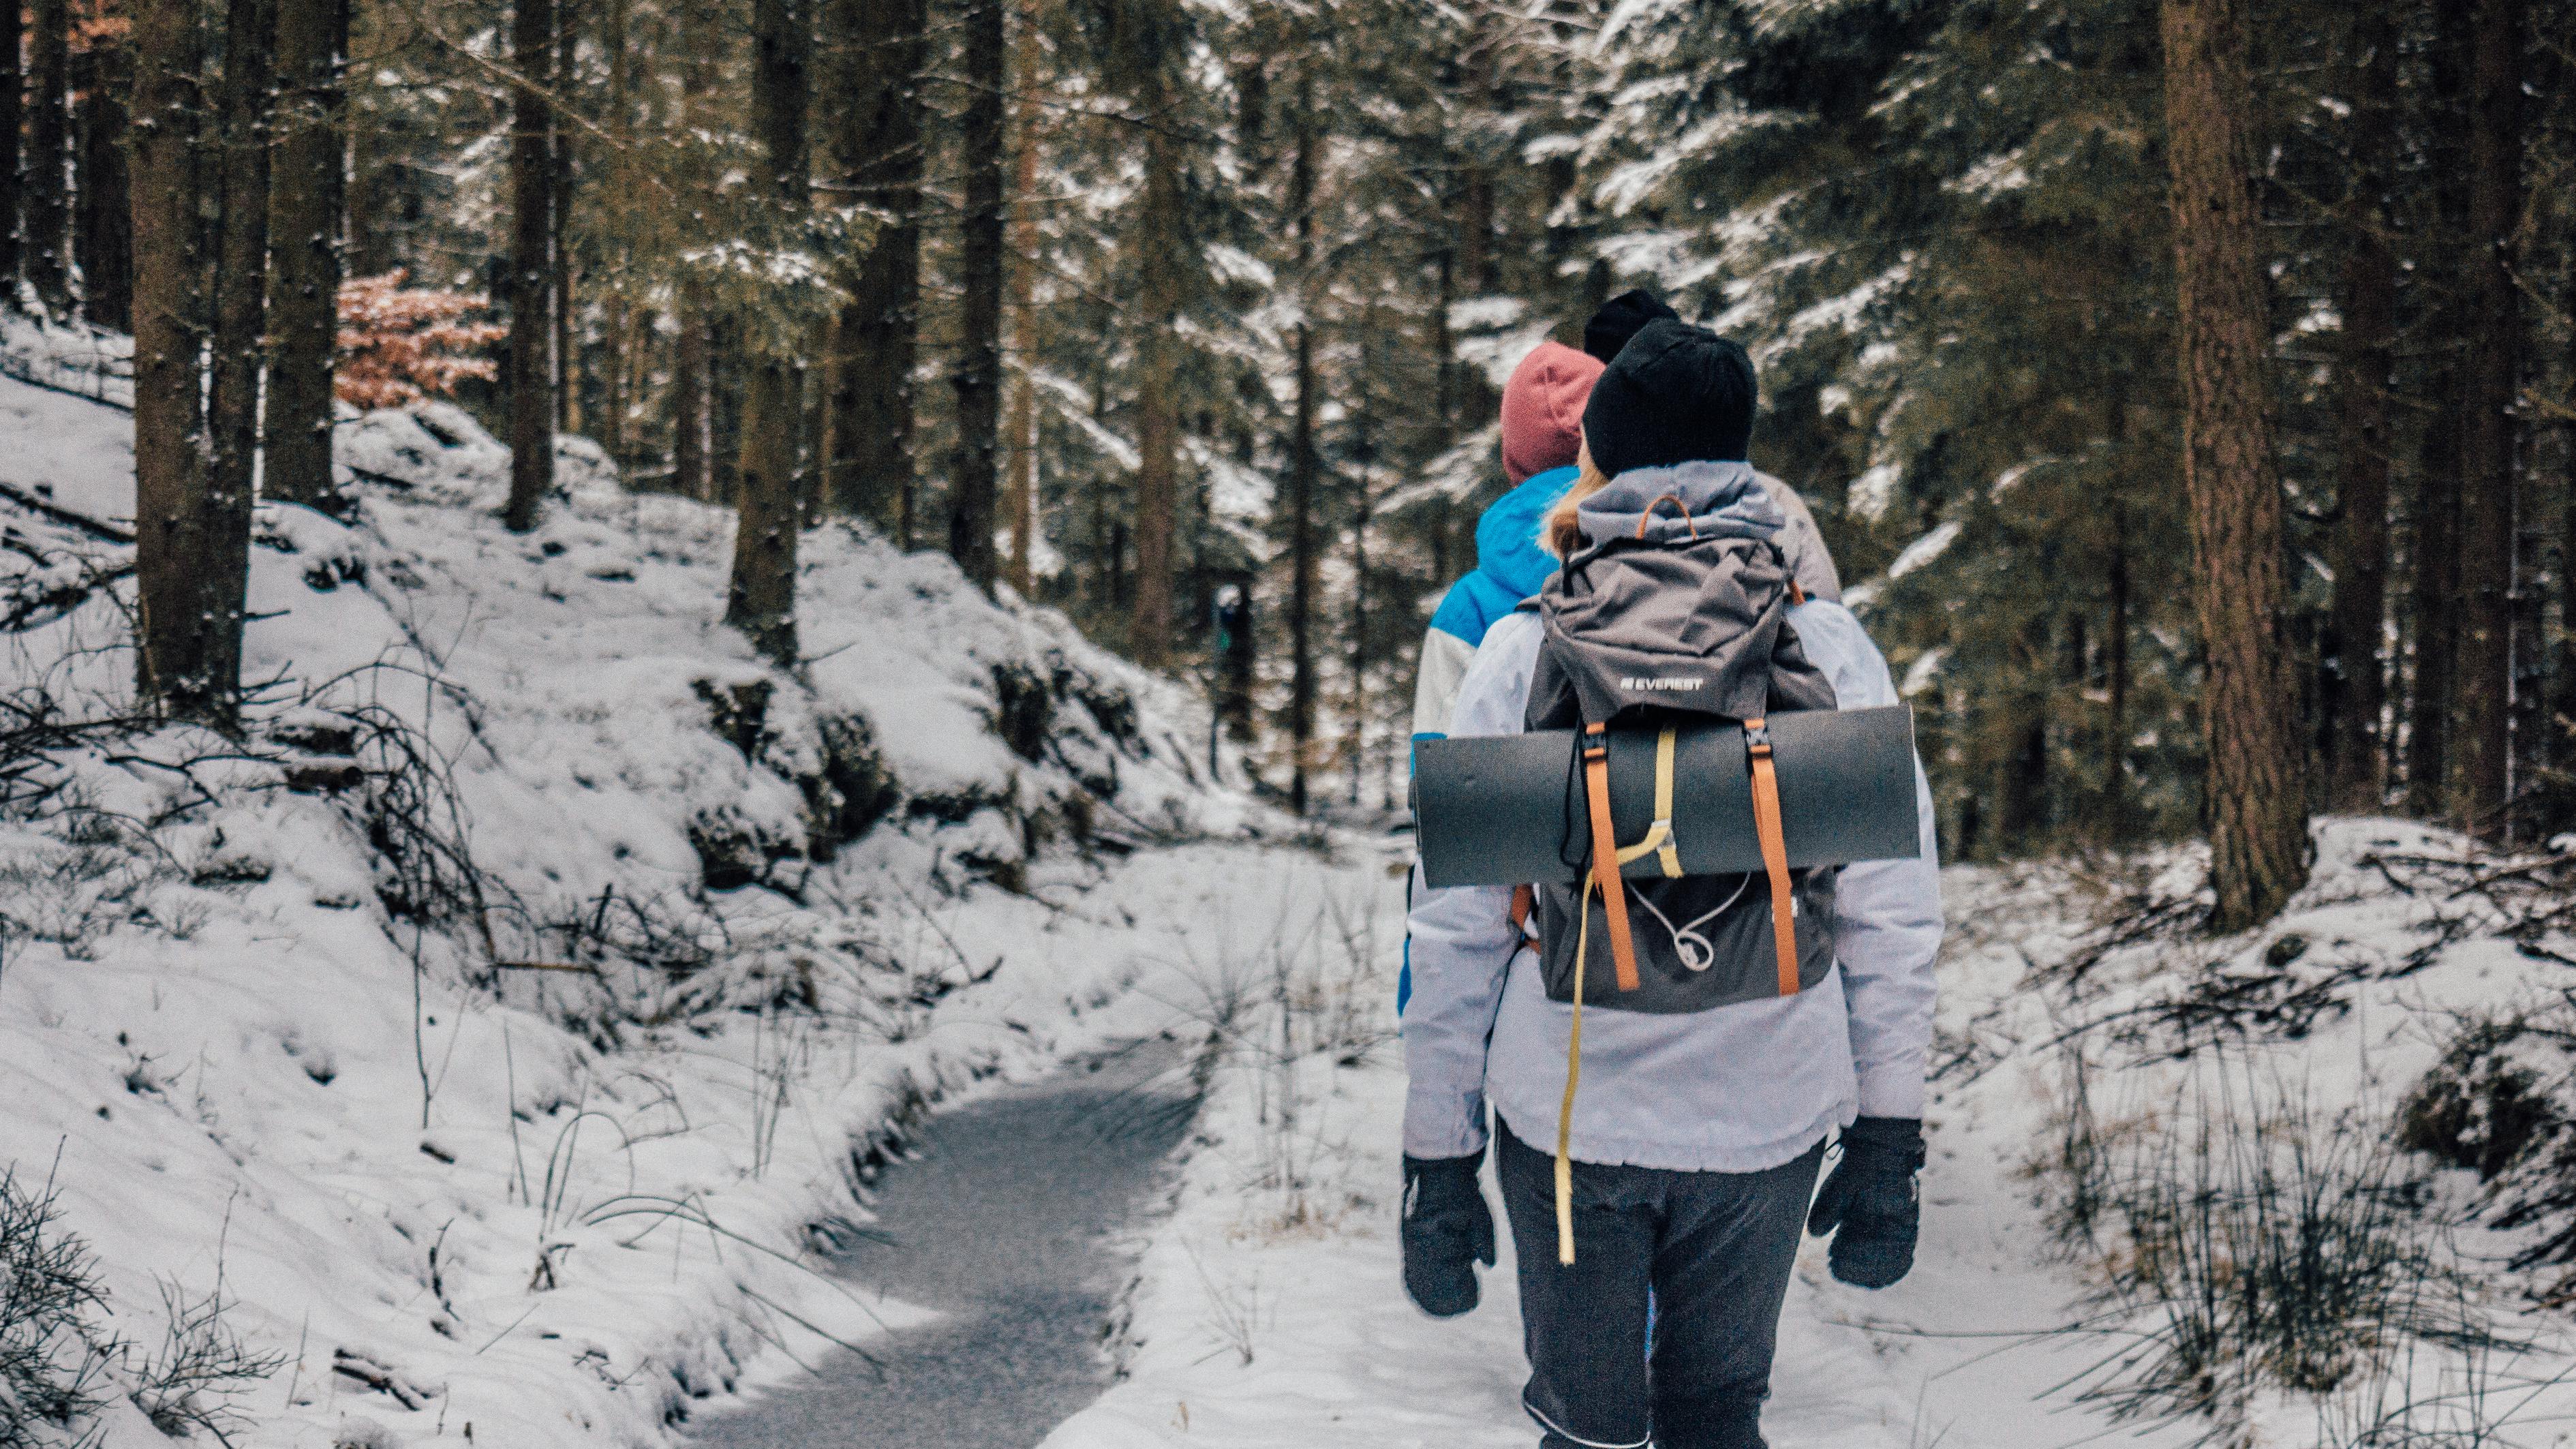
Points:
[[1543, 410]]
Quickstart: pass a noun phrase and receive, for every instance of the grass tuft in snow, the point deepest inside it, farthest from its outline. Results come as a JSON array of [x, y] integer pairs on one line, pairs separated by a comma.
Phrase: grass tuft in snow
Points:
[[2247, 1241], [53, 1356]]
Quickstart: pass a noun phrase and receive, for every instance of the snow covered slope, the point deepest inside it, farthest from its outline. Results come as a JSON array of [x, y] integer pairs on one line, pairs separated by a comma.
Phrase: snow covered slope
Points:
[[499, 1031]]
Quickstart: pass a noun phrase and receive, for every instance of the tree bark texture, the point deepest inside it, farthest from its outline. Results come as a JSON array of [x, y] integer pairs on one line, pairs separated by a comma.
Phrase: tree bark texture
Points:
[[103, 203], [188, 645], [1020, 494], [13, 176], [530, 379], [1160, 244], [2257, 791], [304, 251], [761, 600], [878, 332], [983, 144], [2482, 768], [2362, 377], [240, 314], [1302, 467], [561, 148], [49, 159]]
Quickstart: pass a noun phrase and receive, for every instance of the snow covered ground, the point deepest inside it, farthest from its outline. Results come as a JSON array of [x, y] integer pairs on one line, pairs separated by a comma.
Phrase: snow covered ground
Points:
[[1270, 1311], [543, 1151]]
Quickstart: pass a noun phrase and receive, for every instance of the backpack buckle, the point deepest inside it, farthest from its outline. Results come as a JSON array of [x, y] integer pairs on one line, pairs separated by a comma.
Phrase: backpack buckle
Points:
[[1757, 737]]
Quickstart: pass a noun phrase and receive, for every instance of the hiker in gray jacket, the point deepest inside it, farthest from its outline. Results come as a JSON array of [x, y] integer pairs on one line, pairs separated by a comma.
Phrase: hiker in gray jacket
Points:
[[1696, 1137]]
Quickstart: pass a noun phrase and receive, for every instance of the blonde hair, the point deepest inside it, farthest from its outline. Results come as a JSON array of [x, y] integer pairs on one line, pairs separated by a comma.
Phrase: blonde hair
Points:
[[1561, 531]]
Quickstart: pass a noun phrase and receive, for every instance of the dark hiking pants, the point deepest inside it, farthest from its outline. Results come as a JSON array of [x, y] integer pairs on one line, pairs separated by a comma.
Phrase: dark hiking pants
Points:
[[1713, 1248]]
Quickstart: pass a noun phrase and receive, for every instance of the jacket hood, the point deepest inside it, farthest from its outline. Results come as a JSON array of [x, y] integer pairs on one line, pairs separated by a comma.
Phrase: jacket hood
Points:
[[1721, 500], [1507, 546]]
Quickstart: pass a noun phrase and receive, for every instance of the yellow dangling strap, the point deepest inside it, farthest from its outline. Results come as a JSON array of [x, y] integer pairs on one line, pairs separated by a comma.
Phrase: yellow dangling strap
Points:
[[1573, 1075], [1659, 840]]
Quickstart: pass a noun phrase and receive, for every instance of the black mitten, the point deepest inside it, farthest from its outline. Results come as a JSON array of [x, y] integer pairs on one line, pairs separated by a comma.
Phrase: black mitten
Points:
[[1447, 1229], [1869, 1202]]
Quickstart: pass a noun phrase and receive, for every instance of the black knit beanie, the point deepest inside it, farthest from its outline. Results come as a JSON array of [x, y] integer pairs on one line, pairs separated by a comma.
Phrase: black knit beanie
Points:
[[1673, 394], [1619, 319]]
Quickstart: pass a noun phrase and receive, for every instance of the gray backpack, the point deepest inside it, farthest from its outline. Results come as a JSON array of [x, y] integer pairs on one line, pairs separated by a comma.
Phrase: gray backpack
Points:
[[1644, 635]]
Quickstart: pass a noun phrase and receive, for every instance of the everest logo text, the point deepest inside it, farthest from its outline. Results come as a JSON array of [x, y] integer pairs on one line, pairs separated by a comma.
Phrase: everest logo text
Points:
[[1658, 684]]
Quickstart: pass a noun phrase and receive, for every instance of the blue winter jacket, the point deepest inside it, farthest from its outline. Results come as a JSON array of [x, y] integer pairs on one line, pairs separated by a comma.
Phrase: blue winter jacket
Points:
[[1510, 567]]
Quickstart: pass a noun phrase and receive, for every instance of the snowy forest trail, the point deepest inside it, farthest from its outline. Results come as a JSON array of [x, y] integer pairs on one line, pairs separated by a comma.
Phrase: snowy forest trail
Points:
[[1004, 1226]]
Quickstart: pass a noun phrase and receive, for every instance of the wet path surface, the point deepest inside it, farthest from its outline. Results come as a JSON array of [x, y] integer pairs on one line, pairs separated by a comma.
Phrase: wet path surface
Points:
[[1004, 1225]]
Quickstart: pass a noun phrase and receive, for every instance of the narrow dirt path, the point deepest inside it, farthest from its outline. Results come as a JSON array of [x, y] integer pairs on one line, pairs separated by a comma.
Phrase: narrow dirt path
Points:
[[1005, 1225]]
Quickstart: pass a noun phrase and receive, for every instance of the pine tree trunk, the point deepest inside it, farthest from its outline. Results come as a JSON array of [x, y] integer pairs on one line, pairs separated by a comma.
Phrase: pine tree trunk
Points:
[[103, 203], [13, 177], [1159, 248], [761, 601], [49, 216], [2356, 675], [188, 643], [1021, 493], [2257, 803], [984, 156], [877, 336], [2115, 667], [304, 252], [530, 377], [1302, 462], [692, 456], [241, 296], [559, 282], [2482, 772]]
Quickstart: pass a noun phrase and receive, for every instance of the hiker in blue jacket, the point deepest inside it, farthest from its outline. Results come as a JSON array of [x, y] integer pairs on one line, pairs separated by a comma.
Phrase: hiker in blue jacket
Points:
[[1694, 1144]]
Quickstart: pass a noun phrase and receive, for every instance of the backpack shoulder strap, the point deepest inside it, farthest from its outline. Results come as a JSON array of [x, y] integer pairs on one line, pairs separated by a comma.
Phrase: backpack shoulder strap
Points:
[[1774, 840]]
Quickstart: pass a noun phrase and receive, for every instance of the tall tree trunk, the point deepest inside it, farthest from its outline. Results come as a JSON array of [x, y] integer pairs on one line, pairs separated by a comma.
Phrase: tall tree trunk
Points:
[[1302, 461], [304, 251], [2435, 556], [1021, 494], [2115, 668], [692, 426], [188, 642], [618, 323], [2360, 611], [49, 216], [13, 177], [2257, 805], [530, 381], [103, 203], [560, 146], [762, 599], [978, 377], [877, 335], [241, 312], [1160, 245], [2482, 776]]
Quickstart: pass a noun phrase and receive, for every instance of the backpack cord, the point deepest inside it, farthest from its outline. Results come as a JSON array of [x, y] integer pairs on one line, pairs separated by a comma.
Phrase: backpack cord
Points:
[[1573, 1075]]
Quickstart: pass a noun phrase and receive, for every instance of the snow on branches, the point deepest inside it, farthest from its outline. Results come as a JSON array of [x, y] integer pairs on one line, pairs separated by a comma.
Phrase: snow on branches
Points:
[[400, 344]]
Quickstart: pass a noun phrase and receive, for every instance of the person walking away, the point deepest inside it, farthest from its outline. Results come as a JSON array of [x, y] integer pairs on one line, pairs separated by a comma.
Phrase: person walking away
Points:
[[1686, 1159]]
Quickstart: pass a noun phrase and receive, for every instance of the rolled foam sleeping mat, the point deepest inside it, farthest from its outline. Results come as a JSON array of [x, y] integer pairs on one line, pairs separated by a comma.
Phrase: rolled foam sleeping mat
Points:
[[1511, 809]]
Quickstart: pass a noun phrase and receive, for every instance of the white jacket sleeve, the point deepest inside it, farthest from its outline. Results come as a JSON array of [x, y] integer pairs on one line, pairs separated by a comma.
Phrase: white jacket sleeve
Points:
[[1463, 937], [1887, 913]]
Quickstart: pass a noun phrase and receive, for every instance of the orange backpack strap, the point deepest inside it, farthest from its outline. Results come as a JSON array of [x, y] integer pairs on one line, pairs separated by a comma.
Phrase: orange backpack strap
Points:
[[1775, 850], [1605, 853], [1524, 902], [1797, 592]]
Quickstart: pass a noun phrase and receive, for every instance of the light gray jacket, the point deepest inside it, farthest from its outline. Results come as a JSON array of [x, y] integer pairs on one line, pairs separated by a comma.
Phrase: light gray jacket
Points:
[[1737, 1089]]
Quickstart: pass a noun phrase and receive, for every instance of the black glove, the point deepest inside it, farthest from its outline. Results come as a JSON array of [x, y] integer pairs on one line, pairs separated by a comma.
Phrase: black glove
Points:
[[1870, 1197], [1446, 1228]]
